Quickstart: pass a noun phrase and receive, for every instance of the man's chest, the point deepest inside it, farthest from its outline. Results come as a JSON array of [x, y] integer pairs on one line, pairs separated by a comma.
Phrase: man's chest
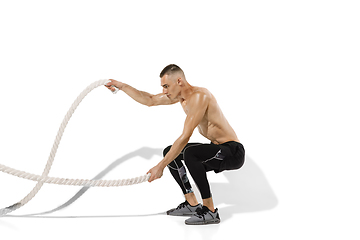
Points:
[[184, 106], [187, 109]]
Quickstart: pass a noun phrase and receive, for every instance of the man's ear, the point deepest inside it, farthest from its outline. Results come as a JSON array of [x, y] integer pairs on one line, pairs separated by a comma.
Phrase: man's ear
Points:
[[179, 81]]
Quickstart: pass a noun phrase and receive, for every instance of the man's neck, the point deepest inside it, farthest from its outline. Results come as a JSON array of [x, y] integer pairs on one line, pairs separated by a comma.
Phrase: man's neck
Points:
[[186, 92]]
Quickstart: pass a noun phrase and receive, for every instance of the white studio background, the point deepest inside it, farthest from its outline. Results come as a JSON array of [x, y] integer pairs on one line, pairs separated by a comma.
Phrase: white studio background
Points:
[[286, 74]]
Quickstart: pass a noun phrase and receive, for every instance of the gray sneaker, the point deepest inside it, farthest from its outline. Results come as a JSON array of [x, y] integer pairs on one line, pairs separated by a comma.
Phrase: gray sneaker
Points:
[[184, 209], [204, 216]]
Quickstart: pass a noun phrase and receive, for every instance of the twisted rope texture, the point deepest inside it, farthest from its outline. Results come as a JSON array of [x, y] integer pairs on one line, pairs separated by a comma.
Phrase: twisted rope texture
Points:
[[75, 182]]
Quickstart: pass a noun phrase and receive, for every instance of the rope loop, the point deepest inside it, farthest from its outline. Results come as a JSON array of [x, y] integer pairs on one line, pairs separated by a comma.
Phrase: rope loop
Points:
[[44, 178]]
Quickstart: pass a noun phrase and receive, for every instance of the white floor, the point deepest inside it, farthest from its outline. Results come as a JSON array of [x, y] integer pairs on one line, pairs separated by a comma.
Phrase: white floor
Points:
[[286, 75], [299, 206], [244, 198]]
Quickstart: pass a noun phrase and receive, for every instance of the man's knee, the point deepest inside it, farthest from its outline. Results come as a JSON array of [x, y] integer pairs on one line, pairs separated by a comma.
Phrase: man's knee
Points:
[[166, 150], [190, 155]]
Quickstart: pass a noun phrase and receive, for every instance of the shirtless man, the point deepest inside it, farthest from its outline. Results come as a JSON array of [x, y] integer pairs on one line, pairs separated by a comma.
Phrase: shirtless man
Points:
[[225, 152]]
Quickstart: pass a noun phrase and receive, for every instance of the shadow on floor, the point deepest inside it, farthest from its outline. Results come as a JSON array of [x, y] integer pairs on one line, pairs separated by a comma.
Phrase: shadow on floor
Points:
[[247, 189]]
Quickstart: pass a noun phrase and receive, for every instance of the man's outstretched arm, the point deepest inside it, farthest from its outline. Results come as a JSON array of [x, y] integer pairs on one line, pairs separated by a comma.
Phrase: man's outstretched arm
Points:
[[140, 96]]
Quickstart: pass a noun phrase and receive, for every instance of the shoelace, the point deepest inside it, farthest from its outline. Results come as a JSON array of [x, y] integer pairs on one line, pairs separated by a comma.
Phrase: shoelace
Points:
[[182, 205], [201, 212]]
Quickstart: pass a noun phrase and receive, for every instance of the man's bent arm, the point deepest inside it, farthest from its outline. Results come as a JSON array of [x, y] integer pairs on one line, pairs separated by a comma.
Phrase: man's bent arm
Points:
[[175, 150], [198, 109]]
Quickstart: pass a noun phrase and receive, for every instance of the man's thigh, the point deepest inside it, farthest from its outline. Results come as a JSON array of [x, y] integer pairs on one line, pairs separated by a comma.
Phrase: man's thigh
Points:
[[207, 154]]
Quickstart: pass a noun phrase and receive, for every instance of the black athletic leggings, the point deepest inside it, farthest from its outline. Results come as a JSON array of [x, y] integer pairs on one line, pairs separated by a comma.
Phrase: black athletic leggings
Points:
[[201, 158]]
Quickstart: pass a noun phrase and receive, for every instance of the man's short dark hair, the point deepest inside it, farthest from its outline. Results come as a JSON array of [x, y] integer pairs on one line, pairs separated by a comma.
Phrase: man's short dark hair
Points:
[[170, 69]]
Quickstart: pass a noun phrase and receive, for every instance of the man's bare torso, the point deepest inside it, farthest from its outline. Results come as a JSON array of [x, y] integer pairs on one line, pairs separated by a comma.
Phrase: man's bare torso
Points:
[[214, 125], [200, 107]]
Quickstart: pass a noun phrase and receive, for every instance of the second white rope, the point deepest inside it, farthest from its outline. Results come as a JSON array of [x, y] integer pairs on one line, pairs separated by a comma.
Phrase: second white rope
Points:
[[74, 182]]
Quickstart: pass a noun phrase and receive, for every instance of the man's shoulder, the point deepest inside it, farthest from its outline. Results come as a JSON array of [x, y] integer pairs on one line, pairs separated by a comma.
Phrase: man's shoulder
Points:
[[202, 92], [200, 96]]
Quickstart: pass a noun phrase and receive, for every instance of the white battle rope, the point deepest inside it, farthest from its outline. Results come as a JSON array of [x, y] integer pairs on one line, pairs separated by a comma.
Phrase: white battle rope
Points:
[[74, 182]]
